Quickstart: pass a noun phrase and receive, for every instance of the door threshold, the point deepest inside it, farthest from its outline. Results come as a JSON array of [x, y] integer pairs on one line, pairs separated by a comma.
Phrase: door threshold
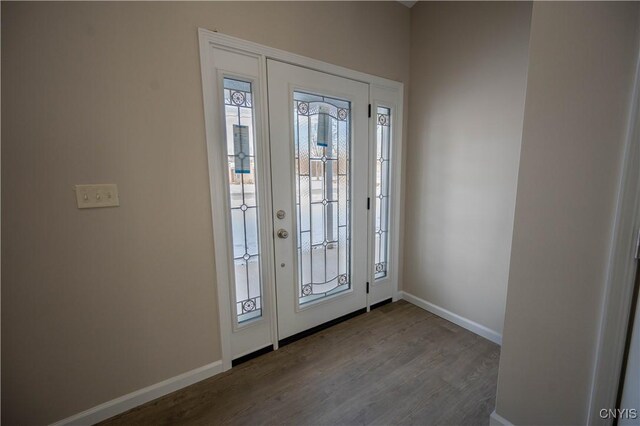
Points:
[[317, 328], [252, 355], [379, 304]]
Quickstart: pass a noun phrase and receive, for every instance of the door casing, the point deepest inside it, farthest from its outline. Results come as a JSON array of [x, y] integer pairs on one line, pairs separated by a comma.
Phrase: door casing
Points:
[[383, 91]]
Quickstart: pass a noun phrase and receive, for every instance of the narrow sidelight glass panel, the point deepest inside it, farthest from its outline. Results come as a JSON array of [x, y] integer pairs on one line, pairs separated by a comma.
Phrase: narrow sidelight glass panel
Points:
[[322, 142], [239, 123], [383, 147]]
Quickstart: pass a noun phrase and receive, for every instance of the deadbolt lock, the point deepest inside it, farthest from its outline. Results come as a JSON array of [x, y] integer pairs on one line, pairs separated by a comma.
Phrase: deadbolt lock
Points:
[[280, 214]]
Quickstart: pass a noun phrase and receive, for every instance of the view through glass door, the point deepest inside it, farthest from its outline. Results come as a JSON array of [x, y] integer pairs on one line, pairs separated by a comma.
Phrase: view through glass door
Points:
[[319, 160]]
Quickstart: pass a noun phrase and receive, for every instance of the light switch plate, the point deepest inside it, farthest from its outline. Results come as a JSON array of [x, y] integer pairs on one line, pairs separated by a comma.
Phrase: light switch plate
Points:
[[93, 196]]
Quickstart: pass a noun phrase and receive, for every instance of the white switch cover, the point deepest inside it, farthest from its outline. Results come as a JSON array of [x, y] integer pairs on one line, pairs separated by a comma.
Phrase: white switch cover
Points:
[[92, 196]]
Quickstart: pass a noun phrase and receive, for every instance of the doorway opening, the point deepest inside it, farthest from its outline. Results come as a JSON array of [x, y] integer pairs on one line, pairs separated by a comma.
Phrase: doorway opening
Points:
[[304, 163]]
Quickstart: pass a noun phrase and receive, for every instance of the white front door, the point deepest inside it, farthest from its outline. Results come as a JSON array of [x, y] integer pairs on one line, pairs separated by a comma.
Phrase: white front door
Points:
[[318, 125]]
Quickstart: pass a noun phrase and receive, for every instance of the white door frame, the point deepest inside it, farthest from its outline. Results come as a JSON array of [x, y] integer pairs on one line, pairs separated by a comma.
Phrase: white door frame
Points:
[[616, 304], [208, 41]]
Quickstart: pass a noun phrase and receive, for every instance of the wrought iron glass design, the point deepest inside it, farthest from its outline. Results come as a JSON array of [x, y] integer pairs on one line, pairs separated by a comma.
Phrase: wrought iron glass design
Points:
[[239, 123], [322, 145], [383, 142]]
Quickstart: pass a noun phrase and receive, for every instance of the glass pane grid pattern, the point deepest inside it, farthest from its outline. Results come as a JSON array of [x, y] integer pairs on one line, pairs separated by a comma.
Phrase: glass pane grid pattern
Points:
[[322, 144], [238, 104], [383, 142]]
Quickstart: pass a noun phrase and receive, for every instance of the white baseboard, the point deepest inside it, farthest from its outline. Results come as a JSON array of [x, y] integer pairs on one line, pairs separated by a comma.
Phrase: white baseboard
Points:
[[142, 396], [463, 322], [497, 420]]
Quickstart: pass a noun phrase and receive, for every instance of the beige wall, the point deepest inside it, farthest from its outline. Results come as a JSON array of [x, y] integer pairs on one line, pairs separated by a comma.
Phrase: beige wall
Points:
[[99, 303], [468, 75], [582, 59]]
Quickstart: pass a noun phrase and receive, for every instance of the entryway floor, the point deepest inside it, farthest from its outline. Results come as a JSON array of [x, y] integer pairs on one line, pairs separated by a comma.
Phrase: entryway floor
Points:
[[397, 364]]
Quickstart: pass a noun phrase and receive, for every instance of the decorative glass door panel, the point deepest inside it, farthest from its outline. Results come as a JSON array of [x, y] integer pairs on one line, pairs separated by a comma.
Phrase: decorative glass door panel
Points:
[[322, 144], [238, 107], [295, 161], [381, 242], [234, 94], [319, 167]]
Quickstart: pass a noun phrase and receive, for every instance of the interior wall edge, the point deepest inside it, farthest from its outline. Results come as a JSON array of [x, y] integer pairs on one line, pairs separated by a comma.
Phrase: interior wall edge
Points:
[[564, 222], [616, 295], [497, 420]]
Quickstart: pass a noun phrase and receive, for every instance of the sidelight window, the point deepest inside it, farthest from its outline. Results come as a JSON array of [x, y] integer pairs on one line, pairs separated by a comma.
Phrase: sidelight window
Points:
[[383, 142], [241, 171]]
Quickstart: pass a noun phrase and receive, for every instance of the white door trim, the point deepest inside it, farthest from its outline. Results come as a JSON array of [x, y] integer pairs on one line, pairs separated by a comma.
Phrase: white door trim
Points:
[[234, 43], [249, 67], [209, 39], [616, 304]]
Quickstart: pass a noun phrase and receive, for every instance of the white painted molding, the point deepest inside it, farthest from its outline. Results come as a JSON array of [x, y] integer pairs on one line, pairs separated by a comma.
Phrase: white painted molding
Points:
[[142, 396], [621, 271], [463, 322], [235, 43], [497, 420]]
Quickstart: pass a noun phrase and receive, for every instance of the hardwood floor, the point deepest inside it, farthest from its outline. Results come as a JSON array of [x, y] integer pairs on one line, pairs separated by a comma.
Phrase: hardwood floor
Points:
[[397, 364]]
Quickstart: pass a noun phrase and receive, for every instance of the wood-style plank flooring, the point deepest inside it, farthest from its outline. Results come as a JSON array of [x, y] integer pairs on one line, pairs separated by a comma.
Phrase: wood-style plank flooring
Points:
[[397, 364]]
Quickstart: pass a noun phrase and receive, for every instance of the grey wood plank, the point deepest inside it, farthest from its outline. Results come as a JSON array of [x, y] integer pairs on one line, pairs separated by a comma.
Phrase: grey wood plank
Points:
[[395, 365]]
